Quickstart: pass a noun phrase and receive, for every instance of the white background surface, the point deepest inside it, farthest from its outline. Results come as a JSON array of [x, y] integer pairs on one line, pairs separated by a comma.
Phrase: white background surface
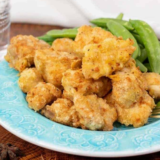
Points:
[[77, 12], [74, 13]]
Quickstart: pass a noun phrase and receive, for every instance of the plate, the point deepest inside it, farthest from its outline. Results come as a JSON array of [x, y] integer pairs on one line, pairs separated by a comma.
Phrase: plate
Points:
[[23, 122]]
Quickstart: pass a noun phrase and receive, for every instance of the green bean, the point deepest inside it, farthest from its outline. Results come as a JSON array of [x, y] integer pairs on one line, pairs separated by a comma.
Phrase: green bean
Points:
[[101, 22], [106, 29], [50, 43], [138, 38], [120, 16], [143, 55], [141, 66], [118, 30], [46, 38], [150, 42], [158, 104], [141, 46], [133, 31], [65, 33], [148, 67]]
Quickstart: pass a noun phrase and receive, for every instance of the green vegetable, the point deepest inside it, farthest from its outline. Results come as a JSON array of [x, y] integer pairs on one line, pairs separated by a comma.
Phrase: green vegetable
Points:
[[101, 22], [120, 16], [148, 66], [158, 104], [141, 66], [65, 33], [150, 42], [143, 55], [141, 46], [133, 31], [50, 43], [118, 30], [138, 38], [46, 38]]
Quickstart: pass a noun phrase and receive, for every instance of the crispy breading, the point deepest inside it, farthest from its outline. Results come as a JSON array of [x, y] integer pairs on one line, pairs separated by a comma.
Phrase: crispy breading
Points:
[[52, 64], [41, 95], [107, 57], [126, 89], [130, 67], [86, 35], [74, 81], [91, 35], [94, 113], [64, 45], [29, 78], [153, 82], [61, 111], [21, 51], [129, 96], [137, 115]]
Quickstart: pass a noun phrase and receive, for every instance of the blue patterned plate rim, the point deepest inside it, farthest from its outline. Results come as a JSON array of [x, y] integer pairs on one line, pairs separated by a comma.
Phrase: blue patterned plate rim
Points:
[[23, 122]]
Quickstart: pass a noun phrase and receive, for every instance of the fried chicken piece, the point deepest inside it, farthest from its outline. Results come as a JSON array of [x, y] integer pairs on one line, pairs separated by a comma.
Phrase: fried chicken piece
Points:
[[137, 115], [153, 81], [126, 89], [61, 111], [21, 51], [107, 57], [65, 45], [86, 35], [129, 96], [53, 64], [41, 95], [94, 113], [29, 78], [74, 81]]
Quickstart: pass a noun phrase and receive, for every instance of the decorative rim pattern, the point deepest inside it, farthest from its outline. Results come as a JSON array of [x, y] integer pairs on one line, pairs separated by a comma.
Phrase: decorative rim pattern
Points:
[[16, 117]]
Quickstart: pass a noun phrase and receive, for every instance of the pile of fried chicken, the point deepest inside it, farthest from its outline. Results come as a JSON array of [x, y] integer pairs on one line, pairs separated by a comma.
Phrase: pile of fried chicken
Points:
[[89, 82]]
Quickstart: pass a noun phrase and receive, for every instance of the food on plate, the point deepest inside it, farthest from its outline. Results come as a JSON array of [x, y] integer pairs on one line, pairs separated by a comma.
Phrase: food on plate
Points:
[[29, 78], [129, 96], [118, 30], [90, 77], [41, 95], [120, 16], [101, 22], [73, 81], [94, 113], [62, 111], [137, 115], [21, 51], [153, 81], [105, 58], [69, 33], [150, 42], [52, 64], [86, 35]]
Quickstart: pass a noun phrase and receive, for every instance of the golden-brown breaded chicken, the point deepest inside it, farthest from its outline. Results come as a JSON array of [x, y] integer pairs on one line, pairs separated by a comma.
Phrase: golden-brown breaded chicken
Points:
[[130, 67], [107, 57], [65, 45], [129, 96], [21, 51], [137, 115], [89, 35], [153, 82], [29, 78], [126, 89], [41, 95], [74, 81], [53, 64], [86, 35], [61, 111], [94, 113]]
